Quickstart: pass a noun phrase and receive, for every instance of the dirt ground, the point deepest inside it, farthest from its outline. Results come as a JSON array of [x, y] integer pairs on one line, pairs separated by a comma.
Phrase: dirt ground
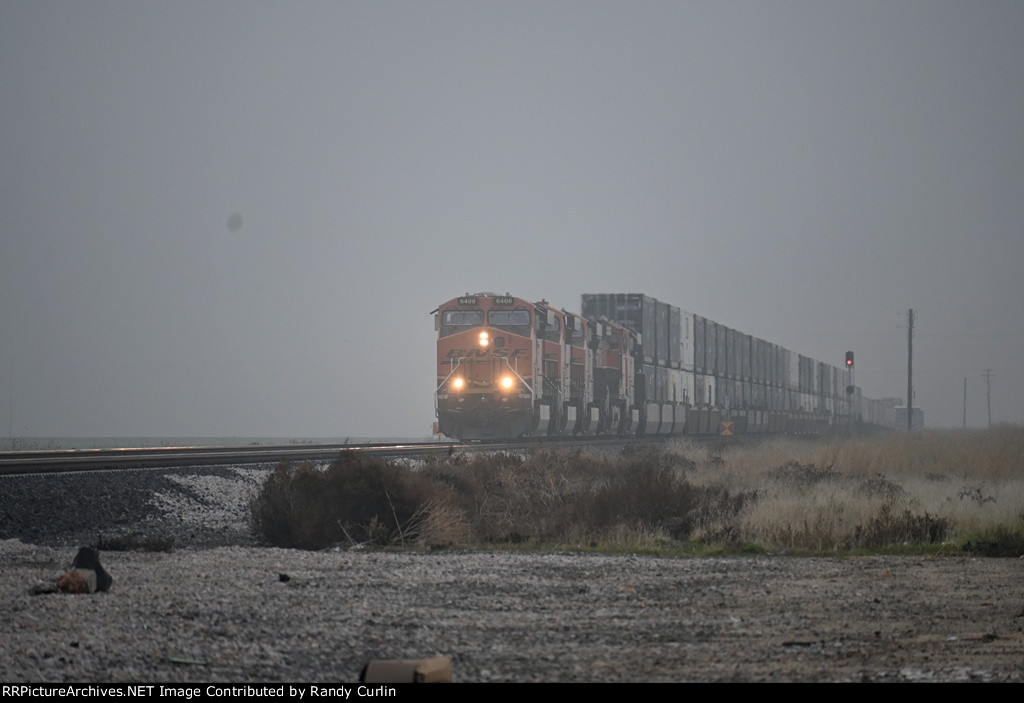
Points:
[[218, 609], [227, 614]]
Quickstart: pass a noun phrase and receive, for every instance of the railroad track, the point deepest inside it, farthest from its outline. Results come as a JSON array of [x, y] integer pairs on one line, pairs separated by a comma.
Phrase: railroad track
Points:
[[70, 460]]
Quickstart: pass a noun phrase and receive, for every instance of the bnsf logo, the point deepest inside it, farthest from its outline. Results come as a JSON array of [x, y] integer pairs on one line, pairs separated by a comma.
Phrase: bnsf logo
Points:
[[500, 353]]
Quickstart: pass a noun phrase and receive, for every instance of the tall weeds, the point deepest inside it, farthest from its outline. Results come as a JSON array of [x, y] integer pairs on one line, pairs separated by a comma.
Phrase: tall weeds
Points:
[[929, 487], [925, 488]]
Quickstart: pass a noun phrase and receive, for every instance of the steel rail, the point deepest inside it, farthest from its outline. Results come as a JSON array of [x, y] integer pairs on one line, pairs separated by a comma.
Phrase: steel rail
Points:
[[71, 460], [68, 460]]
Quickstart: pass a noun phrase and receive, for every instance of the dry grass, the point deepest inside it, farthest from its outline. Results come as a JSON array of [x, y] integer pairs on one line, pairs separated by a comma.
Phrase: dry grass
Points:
[[933, 487], [931, 490], [353, 502]]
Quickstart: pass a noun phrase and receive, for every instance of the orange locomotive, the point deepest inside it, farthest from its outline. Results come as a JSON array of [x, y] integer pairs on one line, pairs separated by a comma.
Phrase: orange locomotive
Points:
[[507, 367], [631, 364]]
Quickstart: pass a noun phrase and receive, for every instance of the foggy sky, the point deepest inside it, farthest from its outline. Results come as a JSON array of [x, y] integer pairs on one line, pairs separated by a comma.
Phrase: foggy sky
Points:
[[801, 171]]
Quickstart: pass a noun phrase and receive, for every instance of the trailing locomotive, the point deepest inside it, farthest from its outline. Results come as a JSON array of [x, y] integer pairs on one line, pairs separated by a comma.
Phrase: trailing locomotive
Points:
[[630, 364]]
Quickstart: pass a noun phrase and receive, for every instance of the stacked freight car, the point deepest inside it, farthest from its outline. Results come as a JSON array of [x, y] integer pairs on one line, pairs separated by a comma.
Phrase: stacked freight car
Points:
[[697, 373], [630, 364]]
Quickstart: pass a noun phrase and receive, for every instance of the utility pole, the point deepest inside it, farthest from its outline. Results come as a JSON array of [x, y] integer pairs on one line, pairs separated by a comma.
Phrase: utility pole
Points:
[[965, 402], [988, 393], [910, 370]]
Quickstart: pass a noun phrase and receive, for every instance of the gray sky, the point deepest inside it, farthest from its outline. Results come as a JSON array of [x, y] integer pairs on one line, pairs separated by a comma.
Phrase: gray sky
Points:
[[800, 171]]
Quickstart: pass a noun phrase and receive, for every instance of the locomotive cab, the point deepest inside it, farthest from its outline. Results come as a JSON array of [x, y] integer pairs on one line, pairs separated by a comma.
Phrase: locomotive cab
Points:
[[485, 367]]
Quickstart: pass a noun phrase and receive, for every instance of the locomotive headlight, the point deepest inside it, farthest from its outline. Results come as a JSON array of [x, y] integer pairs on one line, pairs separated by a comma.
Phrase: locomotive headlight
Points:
[[507, 382], [458, 383], [485, 339]]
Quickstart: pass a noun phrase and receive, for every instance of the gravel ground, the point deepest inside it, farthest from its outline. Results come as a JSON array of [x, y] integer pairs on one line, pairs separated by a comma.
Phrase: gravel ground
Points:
[[216, 608], [193, 507]]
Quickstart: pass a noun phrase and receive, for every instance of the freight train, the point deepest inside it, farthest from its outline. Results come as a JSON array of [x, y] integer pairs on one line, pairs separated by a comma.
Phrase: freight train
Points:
[[630, 364]]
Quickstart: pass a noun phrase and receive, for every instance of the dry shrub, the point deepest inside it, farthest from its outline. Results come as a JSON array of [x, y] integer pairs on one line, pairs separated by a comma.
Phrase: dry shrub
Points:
[[356, 500], [510, 497], [644, 496], [1001, 541], [801, 475], [878, 486], [289, 510], [543, 496], [438, 523], [805, 526], [718, 516], [810, 495], [890, 526], [574, 497]]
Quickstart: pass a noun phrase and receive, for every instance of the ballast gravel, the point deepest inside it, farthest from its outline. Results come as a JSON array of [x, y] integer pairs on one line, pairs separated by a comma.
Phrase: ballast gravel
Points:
[[220, 608]]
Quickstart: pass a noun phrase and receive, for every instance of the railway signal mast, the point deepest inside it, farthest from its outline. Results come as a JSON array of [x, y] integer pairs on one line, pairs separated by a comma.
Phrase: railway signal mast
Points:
[[850, 389]]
